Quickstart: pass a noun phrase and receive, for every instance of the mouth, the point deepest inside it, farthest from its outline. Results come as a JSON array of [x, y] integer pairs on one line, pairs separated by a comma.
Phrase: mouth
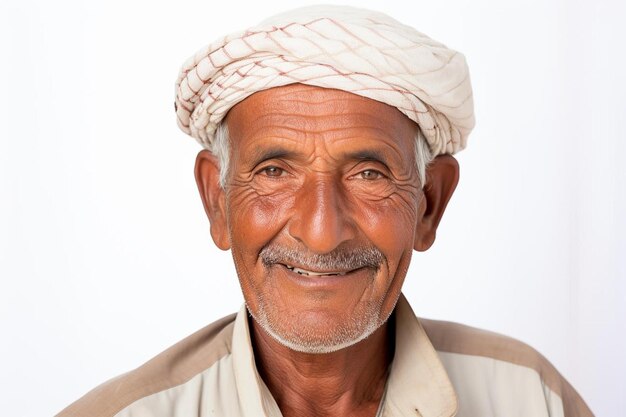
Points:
[[305, 272]]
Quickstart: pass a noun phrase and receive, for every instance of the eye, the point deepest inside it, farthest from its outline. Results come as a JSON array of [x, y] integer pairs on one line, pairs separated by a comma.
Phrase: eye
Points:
[[272, 171], [371, 174]]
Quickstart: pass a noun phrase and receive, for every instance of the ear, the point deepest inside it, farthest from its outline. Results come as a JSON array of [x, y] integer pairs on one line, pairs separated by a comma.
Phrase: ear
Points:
[[442, 176], [207, 173]]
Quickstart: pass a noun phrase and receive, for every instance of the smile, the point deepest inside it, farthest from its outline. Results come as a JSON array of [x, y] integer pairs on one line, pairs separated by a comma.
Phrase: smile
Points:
[[312, 273]]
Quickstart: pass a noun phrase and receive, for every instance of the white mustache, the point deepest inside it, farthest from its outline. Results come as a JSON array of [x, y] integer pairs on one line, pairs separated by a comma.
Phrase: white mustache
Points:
[[337, 260]]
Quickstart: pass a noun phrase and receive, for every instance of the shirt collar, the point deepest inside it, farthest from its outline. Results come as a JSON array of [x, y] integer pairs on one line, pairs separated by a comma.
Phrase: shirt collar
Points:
[[418, 384], [255, 399]]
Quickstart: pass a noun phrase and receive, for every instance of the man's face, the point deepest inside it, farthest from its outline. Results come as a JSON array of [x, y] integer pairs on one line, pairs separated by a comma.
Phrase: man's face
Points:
[[322, 200]]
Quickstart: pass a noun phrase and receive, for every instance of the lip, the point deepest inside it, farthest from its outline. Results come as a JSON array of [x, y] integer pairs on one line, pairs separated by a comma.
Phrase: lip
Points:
[[322, 281], [311, 273]]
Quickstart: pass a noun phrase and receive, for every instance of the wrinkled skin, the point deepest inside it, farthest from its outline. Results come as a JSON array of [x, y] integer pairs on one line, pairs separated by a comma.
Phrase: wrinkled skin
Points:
[[321, 173]]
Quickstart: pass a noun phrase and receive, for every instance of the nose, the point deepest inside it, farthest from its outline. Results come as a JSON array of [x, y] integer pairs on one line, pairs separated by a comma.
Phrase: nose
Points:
[[321, 218]]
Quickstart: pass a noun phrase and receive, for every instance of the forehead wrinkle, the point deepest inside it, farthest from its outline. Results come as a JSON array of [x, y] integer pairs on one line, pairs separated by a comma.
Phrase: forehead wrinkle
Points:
[[320, 123], [319, 118], [300, 134], [302, 99], [280, 122]]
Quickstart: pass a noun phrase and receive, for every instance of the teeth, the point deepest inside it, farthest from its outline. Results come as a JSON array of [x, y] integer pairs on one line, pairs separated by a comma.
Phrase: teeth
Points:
[[309, 273]]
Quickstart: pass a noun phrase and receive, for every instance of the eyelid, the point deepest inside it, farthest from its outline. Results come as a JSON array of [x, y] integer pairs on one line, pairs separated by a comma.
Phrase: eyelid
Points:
[[379, 175], [264, 165], [371, 165]]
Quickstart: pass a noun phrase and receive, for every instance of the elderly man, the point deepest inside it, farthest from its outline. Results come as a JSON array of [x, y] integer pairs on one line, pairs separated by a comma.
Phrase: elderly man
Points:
[[328, 133]]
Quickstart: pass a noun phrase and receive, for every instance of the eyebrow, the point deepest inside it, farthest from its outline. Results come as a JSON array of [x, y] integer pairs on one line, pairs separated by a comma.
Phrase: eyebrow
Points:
[[263, 154], [368, 155]]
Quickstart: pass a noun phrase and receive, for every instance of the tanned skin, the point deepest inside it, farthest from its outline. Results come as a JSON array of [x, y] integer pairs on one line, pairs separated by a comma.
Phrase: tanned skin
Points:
[[319, 171]]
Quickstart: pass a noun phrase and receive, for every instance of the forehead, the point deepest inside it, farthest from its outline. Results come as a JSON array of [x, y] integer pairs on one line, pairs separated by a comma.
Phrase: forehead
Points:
[[297, 114]]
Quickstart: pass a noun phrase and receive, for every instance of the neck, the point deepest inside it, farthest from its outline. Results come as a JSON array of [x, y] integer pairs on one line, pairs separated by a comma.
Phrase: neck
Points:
[[348, 382]]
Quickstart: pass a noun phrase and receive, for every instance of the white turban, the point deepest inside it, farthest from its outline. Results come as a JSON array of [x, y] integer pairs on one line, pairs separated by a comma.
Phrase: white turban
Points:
[[355, 50]]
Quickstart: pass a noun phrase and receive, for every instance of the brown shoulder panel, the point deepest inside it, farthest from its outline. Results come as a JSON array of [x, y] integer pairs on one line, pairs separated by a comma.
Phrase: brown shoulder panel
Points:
[[173, 367], [457, 338]]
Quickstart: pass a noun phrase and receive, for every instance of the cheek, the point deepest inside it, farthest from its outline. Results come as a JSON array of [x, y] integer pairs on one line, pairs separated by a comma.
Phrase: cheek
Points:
[[257, 218], [390, 224]]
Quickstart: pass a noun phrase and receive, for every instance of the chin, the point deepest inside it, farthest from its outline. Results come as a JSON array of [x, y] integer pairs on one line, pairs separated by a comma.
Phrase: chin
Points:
[[318, 332]]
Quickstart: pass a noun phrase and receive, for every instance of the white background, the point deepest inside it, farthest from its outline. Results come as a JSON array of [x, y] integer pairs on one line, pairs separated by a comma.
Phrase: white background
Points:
[[105, 255]]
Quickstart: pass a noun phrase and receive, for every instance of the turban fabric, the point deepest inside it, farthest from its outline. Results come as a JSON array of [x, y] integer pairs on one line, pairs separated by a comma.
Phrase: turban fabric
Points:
[[355, 50]]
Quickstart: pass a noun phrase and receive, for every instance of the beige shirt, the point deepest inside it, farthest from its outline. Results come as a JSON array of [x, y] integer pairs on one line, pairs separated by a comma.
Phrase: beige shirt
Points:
[[440, 369]]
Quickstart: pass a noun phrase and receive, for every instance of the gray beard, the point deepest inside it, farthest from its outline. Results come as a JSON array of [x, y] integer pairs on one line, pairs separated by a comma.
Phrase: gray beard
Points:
[[305, 341]]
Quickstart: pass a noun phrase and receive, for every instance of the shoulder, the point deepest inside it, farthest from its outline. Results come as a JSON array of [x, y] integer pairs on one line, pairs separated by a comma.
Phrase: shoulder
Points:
[[459, 338], [173, 367], [475, 358]]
